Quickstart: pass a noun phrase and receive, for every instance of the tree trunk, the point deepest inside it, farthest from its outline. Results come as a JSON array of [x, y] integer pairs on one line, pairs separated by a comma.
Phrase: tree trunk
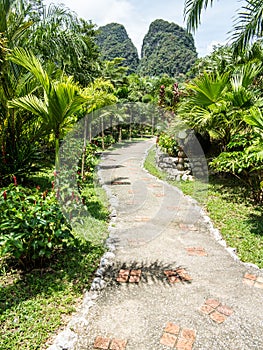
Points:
[[120, 134], [153, 124], [57, 163], [89, 127], [102, 134], [84, 147]]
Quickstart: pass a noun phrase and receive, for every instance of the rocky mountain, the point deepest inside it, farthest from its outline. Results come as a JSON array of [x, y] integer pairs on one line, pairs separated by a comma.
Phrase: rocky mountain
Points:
[[167, 48], [113, 41]]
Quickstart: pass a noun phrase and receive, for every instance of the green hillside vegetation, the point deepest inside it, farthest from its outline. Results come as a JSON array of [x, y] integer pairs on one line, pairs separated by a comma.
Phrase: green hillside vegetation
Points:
[[167, 48], [113, 41]]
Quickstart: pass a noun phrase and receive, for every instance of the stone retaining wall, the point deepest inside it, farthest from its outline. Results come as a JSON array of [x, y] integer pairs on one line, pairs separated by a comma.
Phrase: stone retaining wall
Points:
[[178, 168]]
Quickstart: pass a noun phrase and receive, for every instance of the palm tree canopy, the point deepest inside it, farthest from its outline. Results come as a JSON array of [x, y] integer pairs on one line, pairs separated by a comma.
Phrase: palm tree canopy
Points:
[[248, 24], [61, 98]]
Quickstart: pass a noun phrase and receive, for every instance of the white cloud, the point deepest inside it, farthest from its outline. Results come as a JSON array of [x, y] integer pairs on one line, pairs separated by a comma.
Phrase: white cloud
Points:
[[100, 11]]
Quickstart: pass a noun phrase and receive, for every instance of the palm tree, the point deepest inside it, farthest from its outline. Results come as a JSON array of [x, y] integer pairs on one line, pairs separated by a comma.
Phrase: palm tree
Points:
[[217, 103], [58, 35], [13, 21], [60, 101], [248, 24]]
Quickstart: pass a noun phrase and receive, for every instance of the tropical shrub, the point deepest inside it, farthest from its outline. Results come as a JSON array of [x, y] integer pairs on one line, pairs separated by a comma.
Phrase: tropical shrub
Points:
[[243, 159], [32, 224], [168, 144]]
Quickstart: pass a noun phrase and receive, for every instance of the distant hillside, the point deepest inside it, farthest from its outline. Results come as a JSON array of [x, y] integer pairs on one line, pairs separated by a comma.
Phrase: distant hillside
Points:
[[113, 41], [167, 48]]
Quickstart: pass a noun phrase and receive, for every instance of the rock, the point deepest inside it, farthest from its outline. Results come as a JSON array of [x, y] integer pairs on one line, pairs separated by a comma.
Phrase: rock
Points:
[[77, 324], [100, 272], [181, 154], [181, 160], [105, 262], [109, 256], [180, 167], [65, 340], [184, 177]]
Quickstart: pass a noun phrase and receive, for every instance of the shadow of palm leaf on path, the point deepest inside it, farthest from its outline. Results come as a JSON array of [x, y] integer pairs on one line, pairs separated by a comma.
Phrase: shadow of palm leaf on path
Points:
[[156, 272]]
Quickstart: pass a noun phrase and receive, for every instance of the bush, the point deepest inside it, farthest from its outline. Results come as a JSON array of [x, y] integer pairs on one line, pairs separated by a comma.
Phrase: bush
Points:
[[32, 224], [243, 159], [168, 144]]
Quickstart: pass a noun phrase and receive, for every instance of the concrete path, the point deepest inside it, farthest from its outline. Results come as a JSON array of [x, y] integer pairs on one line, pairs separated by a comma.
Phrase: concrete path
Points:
[[172, 286]]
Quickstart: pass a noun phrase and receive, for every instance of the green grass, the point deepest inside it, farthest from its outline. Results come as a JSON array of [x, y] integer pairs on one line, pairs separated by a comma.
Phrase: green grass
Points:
[[35, 304], [229, 206]]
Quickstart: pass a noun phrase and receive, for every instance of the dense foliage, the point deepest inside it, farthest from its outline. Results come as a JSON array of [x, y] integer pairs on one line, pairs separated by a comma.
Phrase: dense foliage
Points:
[[167, 48], [224, 102], [32, 225], [114, 42]]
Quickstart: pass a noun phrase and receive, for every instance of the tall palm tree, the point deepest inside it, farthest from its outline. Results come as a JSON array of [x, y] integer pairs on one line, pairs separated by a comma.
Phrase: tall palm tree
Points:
[[60, 101], [248, 24], [59, 36]]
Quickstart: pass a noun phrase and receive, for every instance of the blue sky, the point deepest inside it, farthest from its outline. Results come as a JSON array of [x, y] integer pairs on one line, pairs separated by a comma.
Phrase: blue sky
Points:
[[136, 16]]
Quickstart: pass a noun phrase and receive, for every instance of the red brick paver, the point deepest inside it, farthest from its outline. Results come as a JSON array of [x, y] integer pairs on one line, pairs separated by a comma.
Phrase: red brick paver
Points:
[[172, 328], [253, 280], [142, 219], [225, 310], [102, 343], [216, 311], [250, 276], [123, 276], [178, 275], [207, 309], [118, 344], [132, 276], [135, 276], [184, 344], [159, 194], [178, 338], [212, 302], [218, 317], [184, 275], [168, 339], [196, 251]]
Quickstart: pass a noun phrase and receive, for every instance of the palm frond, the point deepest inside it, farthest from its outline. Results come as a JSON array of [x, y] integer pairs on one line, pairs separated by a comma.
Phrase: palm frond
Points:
[[247, 73], [64, 101], [192, 12], [255, 118], [208, 88], [28, 60], [248, 24], [30, 103]]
